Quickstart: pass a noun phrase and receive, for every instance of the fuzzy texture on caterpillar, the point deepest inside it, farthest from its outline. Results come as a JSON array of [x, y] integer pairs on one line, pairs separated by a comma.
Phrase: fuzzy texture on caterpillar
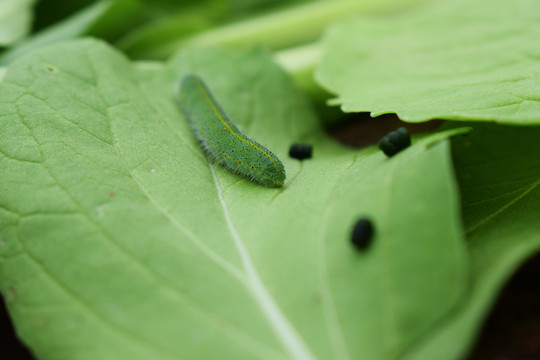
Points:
[[222, 140]]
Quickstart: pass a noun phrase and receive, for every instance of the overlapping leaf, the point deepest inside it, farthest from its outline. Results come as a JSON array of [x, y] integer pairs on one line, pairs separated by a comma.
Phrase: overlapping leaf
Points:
[[499, 175], [458, 60]]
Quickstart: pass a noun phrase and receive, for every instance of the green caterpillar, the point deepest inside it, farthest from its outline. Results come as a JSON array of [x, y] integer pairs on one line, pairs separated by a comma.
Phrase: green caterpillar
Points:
[[222, 140]]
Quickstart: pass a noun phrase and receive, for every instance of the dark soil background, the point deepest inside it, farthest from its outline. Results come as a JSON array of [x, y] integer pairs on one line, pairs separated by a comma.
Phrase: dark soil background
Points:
[[512, 330]]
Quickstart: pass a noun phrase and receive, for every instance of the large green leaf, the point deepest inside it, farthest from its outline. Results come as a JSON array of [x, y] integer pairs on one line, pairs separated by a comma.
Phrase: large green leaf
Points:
[[499, 175], [121, 241], [456, 60]]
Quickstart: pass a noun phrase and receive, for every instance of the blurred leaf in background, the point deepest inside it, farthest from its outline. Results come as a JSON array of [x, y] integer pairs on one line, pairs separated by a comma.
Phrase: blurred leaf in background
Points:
[[15, 20]]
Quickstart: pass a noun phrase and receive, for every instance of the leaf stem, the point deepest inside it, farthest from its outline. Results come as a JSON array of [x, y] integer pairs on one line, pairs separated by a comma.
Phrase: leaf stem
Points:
[[290, 26]]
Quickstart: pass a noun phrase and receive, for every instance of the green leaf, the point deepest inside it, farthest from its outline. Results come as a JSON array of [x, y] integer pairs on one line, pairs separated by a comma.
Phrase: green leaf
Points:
[[15, 20], [457, 60], [164, 35], [287, 26], [119, 240], [499, 176], [161, 36], [68, 29]]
